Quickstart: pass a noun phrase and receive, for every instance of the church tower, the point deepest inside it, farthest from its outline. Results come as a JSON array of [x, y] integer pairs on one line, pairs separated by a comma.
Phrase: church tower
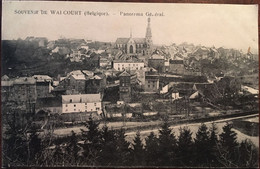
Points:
[[148, 36]]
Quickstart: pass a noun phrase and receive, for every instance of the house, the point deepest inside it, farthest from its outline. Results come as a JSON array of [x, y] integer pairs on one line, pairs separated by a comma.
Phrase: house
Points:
[[103, 62], [77, 83], [21, 91], [81, 103], [125, 87], [43, 85], [121, 65], [73, 83], [201, 53], [96, 84], [157, 62], [151, 83], [25, 89], [176, 67]]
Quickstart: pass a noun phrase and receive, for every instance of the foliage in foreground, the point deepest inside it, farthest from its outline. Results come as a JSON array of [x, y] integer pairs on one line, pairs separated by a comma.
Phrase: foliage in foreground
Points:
[[104, 147]]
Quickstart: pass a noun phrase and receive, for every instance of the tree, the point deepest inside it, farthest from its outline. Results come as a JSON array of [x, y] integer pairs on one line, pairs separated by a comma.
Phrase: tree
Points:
[[185, 147], [151, 150], [35, 147], [58, 156], [92, 142], [72, 149], [122, 151], [167, 145], [228, 146], [202, 146], [138, 151], [108, 155], [248, 154], [213, 142]]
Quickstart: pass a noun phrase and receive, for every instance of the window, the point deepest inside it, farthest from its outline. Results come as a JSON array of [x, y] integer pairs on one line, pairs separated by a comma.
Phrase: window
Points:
[[97, 109], [95, 104], [74, 109], [66, 110], [148, 86], [66, 105], [70, 100], [74, 105]]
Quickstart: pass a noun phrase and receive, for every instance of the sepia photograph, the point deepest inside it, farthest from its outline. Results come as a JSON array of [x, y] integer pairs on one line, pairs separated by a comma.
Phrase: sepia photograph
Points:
[[119, 84]]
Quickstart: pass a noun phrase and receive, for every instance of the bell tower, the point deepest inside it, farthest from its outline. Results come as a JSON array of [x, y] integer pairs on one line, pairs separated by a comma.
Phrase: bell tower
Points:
[[148, 36]]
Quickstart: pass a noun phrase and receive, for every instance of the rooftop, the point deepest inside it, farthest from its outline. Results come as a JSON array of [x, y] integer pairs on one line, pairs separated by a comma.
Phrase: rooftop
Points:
[[25, 80], [79, 77], [42, 78], [127, 61]]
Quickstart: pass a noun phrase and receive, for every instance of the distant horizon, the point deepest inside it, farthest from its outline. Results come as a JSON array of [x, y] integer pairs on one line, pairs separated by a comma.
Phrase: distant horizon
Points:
[[228, 26], [252, 50]]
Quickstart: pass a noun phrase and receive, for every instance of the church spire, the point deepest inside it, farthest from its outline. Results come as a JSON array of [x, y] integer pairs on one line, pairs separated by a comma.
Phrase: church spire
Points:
[[148, 36], [148, 30], [131, 33]]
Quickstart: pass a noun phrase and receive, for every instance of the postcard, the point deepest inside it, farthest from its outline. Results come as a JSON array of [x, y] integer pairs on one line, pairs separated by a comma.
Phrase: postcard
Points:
[[102, 84]]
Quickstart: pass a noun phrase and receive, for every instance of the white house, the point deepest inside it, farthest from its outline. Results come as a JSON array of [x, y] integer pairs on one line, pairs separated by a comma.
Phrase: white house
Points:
[[81, 103], [121, 65]]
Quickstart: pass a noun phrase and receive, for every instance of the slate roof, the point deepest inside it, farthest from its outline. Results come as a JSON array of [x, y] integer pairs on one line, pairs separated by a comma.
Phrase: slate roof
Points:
[[122, 40], [42, 78], [25, 80], [79, 77], [7, 83], [125, 40], [157, 56], [139, 40], [5, 77], [81, 98], [124, 73]]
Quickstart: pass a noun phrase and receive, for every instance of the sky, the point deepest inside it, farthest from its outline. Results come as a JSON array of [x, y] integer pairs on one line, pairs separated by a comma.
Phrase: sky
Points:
[[230, 26]]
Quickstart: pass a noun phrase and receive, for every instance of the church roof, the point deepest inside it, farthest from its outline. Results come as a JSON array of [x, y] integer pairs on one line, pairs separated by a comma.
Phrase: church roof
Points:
[[122, 40], [139, 40], [125, 40]]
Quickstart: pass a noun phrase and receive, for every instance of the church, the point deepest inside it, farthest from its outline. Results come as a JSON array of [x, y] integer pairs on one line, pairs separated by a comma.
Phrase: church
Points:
[[136, 46]]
